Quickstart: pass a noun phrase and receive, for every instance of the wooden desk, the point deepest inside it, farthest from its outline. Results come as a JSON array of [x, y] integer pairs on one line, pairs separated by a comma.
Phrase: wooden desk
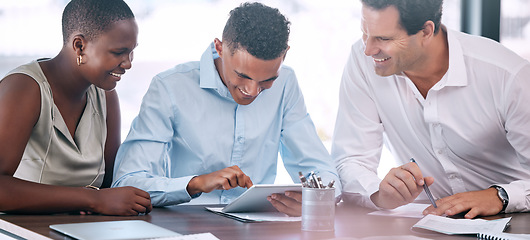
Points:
[[352, 222]]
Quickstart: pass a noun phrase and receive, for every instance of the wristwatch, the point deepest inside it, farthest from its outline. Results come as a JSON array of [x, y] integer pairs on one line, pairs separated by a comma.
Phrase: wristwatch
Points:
[[503, 196]]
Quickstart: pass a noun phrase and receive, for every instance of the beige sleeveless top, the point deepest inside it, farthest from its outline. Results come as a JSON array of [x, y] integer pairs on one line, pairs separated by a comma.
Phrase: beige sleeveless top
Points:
[[52, 155]]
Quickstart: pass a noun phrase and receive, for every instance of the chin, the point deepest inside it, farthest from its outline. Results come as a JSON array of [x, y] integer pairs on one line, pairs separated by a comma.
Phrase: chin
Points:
[[245, 101], [107, 87], [384, 72]]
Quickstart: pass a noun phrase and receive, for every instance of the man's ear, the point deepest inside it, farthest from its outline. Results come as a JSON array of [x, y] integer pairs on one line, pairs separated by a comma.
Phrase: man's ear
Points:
[[78, 44], [427, 32], [285, 52], [218, 46], [428, 29]]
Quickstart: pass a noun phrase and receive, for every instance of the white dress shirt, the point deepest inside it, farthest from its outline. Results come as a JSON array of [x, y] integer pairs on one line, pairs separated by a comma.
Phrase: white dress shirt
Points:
[[470, 132]]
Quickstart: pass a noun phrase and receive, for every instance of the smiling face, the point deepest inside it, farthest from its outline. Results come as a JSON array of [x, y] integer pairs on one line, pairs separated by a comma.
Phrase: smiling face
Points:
[[106, 58], [391, 48], [244, 75]]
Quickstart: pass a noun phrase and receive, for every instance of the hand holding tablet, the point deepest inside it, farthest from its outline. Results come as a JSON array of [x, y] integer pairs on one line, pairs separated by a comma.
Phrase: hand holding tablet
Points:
[[255, 198]]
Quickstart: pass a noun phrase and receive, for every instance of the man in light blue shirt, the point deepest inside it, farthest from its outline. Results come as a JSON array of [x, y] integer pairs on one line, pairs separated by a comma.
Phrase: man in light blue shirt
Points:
[[203, 134]]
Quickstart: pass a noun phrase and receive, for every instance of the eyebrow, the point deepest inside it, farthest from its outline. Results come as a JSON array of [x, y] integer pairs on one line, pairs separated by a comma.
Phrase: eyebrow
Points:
[[247, 77], [125, 48]]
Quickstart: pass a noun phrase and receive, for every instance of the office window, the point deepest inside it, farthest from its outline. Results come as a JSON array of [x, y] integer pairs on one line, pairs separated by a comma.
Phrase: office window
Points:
[[515, 26]]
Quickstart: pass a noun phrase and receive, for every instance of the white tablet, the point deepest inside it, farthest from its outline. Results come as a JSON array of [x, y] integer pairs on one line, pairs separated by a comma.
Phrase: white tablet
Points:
[[113, 230], [255, 198]]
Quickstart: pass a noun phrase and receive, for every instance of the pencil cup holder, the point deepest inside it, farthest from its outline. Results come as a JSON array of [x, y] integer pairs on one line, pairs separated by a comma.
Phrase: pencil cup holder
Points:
[[318, 209]]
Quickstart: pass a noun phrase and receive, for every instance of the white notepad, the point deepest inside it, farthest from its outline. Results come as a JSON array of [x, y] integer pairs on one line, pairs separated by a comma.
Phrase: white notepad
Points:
[[113, 230], [461, 226], [502, 236]]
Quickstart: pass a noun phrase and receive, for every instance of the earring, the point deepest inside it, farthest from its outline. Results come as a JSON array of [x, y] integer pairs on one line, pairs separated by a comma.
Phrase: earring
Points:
[[79, 60]]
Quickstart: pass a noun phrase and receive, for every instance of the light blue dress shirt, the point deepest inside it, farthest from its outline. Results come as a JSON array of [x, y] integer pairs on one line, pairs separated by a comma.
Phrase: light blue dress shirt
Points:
[[190, 125]]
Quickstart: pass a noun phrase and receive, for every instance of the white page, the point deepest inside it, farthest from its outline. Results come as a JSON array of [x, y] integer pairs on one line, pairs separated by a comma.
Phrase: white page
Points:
[[461, 226], [258, 216], [412, 210]]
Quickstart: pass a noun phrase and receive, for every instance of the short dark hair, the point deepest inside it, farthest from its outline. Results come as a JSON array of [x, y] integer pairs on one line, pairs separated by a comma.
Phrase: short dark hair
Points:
[[260, 30], [93, 17], [412, 13]]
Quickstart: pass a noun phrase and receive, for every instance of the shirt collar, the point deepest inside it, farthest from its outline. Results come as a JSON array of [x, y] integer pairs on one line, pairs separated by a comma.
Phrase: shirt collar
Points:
[[456, 74], [209, 77]]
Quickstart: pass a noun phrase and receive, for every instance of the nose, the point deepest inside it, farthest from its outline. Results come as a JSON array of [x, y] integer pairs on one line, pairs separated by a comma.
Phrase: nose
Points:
[[127, 61], [252, 88], [370, 47]]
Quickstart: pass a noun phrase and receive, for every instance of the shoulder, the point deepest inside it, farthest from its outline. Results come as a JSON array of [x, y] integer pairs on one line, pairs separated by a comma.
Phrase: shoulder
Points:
[[20, 96], [178, 79], [31, 70], [24, 80], [359, 68], [481, 50], [286, 82], [358, 62], [181, 71], [176, 82], [287, 75], [357, 50]]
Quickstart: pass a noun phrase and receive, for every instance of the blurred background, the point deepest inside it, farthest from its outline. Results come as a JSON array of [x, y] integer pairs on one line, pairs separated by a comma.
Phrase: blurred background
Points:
[[177, 31]]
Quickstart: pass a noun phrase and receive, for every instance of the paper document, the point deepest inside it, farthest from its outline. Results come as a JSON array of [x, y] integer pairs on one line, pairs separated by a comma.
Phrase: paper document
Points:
[[461, 226], [255, 216], [412, 210]]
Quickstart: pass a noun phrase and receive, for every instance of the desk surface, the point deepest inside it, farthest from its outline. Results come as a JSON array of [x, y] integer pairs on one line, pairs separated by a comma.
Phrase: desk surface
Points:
[[350, 222]]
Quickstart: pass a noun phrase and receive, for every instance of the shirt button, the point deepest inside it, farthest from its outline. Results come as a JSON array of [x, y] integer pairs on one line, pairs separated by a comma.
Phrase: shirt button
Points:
[[240, 139], [452, 176], [440, 151]]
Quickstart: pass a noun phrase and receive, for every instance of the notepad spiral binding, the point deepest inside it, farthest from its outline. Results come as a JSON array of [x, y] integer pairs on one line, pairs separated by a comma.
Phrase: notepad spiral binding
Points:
[[502, 236], [486, 236]]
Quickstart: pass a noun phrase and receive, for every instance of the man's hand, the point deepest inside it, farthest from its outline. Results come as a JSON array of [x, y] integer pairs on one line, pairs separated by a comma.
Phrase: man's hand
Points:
[[225, 179], [400, 186], [290, 203], [476, 203]]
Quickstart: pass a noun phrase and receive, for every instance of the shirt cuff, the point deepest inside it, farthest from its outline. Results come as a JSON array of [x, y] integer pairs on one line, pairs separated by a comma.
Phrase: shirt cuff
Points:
[[359, 199], [516, 198], [172, 192]]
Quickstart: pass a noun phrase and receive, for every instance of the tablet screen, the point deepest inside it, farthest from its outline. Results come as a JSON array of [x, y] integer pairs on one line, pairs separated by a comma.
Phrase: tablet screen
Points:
[[255, 198]]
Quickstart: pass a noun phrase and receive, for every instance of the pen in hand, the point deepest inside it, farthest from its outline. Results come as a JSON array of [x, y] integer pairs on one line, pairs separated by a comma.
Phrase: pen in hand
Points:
[[426, 188]]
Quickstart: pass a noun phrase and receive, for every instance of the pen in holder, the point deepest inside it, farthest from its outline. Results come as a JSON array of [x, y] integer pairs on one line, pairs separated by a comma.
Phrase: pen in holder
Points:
[[318, 209]]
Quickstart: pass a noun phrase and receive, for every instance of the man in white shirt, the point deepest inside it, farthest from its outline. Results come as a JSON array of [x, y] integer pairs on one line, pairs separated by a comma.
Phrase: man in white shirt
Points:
[[457, 104]]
